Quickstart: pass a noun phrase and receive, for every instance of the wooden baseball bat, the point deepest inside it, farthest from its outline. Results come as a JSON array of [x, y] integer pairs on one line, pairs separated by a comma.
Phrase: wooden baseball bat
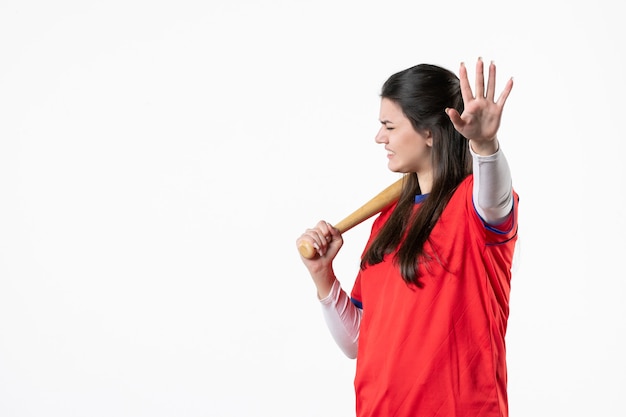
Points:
[[380, 201]]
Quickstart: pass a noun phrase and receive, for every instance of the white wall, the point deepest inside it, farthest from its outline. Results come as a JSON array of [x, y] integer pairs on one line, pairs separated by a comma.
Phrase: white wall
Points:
[[158, 159]]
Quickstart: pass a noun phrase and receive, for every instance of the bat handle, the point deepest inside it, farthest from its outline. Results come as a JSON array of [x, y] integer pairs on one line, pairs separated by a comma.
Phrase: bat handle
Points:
[[382, 200], [306, 249]]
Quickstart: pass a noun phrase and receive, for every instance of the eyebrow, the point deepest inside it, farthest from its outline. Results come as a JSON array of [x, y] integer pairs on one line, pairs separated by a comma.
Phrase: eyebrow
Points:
[[384, 122]]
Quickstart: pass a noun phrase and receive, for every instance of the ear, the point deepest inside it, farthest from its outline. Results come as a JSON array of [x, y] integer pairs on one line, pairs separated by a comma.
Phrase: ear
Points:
[[429, 138]]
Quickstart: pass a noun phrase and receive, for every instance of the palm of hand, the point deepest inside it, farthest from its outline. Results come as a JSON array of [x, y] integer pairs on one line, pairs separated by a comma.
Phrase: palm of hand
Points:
[[480, 120]]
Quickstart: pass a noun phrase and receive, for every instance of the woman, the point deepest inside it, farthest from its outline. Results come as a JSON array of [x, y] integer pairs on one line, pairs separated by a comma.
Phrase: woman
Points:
[[428, 311]]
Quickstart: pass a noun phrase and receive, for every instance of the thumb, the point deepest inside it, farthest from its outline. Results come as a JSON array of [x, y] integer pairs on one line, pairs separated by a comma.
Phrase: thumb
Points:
[[333, 230], [454, 116]]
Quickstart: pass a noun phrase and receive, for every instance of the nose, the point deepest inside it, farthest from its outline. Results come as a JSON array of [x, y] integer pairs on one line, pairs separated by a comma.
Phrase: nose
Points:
[[381, 136]]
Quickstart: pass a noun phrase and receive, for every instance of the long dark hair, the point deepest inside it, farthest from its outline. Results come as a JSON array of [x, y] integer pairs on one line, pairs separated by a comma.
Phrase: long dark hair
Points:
[[423, 92]]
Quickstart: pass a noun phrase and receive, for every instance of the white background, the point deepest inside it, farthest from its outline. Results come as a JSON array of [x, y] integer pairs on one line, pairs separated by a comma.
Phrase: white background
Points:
[[158, 159]]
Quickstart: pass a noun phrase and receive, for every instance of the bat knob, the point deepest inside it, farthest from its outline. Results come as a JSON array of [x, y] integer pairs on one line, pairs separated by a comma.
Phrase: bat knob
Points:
[[306, 250]]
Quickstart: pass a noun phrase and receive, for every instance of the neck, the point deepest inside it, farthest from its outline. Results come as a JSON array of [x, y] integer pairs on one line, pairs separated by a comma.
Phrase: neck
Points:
[[425, 180]]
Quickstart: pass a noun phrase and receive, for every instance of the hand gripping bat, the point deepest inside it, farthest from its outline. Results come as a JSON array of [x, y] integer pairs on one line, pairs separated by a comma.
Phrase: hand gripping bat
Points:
[[380, 201]]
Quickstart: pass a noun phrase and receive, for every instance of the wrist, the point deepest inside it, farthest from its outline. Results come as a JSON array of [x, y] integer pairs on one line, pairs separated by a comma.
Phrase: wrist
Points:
[[484, 148], [324, 283]]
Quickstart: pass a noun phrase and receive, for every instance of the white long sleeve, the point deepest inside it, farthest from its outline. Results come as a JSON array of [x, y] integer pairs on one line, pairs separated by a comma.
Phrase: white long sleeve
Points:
[[493, 189], [343, 319]]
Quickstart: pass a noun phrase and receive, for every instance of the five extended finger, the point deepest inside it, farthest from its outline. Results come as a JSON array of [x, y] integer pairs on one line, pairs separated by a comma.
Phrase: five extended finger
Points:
[[466, 90], [491, 83], [505, 93], [455, 118], [480, 78]]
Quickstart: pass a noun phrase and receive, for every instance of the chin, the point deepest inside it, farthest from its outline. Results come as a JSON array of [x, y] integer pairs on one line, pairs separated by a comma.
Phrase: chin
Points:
[[397, 169]]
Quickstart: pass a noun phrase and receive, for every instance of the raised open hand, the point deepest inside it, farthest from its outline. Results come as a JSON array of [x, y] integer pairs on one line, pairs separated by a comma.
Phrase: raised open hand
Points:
[[481, 115]]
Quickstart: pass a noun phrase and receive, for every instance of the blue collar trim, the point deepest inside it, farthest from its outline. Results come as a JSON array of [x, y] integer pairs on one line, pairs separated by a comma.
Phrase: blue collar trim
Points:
[[420, 197]]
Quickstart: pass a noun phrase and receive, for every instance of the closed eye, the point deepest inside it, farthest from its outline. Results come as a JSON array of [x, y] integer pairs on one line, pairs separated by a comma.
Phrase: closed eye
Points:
[[386, 124]]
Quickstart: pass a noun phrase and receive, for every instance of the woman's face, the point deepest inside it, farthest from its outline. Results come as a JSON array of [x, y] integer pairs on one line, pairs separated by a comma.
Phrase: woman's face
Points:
[[407, 150]]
